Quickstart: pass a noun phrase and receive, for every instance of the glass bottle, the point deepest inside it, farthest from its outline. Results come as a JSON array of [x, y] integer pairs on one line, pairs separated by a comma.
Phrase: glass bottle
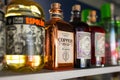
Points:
[[59, 41], [82, 39], [108, 22], [2, 35], [117, 18], [25, 35], [97, 38]]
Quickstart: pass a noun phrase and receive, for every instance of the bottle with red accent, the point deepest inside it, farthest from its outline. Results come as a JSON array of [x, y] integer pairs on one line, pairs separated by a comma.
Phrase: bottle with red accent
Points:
[[97, 38], [82, 39], [59, 41]]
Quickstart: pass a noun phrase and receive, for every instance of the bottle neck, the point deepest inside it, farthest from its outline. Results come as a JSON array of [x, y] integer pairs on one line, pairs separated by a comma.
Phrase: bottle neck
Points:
[[56, 15], [76, 16], [91, 23]]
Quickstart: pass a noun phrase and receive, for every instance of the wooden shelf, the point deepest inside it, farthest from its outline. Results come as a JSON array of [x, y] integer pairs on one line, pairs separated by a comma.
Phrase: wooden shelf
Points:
[[57, 75]]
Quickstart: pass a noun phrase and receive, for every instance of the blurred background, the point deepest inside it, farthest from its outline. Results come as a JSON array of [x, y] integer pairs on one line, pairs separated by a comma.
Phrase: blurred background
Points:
[[67, 4]]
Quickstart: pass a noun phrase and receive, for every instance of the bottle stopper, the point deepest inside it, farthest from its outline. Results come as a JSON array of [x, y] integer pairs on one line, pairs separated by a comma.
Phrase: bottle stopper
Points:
[[76, 7], [55, 5]]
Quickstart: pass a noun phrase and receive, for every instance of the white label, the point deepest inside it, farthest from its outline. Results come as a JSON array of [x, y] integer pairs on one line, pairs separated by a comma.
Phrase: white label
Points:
[[100, 44], [65, 46], [83, 42], [25, 39]]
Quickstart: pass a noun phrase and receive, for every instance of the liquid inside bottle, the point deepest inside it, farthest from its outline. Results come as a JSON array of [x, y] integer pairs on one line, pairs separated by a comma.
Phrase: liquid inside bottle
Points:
[[82, 39], [97, 38], [25, 35], [59, 41]]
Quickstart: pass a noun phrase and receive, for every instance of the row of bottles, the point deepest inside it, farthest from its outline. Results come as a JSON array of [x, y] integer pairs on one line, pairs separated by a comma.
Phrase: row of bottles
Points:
[[83, 42], [31, 43]]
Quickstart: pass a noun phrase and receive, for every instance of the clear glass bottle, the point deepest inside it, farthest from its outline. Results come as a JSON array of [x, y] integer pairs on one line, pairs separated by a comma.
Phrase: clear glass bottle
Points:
[[59, 41], [25, 35], [82, 39], [97, 38], [108, 22], [2, 35]]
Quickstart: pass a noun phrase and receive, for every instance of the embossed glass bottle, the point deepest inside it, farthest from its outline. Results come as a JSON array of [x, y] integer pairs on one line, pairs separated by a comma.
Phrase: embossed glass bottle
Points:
[[59, 41], [25, 35], [97, 38], [2, 35], [82, 39]]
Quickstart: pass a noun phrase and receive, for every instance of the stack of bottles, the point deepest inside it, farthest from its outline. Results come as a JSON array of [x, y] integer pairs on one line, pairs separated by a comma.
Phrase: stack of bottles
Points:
[[29, 43]]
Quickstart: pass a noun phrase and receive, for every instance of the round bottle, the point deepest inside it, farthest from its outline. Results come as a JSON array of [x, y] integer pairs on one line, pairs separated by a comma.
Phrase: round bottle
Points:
[[25, 35]]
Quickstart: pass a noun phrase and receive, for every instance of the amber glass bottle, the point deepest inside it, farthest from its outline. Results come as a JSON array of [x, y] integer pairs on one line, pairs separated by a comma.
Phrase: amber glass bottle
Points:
[[59, 40], [25, 35], [82, 39], [97, 38]]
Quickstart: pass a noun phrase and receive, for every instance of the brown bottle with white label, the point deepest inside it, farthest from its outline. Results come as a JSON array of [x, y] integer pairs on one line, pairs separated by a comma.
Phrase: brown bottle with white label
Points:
[[59, 41]]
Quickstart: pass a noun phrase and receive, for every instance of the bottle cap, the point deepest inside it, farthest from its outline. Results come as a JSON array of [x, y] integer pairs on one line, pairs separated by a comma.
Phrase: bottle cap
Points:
[[107, 10], [55, 6], [76, 7], [84, 15]]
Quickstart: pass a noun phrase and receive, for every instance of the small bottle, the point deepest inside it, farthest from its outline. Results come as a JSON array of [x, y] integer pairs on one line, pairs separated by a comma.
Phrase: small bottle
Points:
[[2, 36], [82, 39], [59, 41], [25, 35], [108, 22], [97, 38]]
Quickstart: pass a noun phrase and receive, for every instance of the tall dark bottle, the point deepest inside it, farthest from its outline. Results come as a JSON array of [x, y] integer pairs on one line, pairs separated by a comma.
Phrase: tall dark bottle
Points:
[[82, 39], [59, 40], [97, 38], [108, 22]]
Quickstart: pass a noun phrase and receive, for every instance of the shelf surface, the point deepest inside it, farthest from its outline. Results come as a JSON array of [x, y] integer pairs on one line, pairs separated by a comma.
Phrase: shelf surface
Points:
[[57, 75]]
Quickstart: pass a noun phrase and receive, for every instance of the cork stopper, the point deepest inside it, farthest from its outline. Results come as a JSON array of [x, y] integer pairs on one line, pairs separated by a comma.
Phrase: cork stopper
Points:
[[76, 7], [55, 6], [92, 13]]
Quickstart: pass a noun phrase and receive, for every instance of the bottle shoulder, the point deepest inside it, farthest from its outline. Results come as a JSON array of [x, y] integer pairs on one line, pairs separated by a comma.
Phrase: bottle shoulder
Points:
[[96, 28], [60, 24], [79, 24]]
